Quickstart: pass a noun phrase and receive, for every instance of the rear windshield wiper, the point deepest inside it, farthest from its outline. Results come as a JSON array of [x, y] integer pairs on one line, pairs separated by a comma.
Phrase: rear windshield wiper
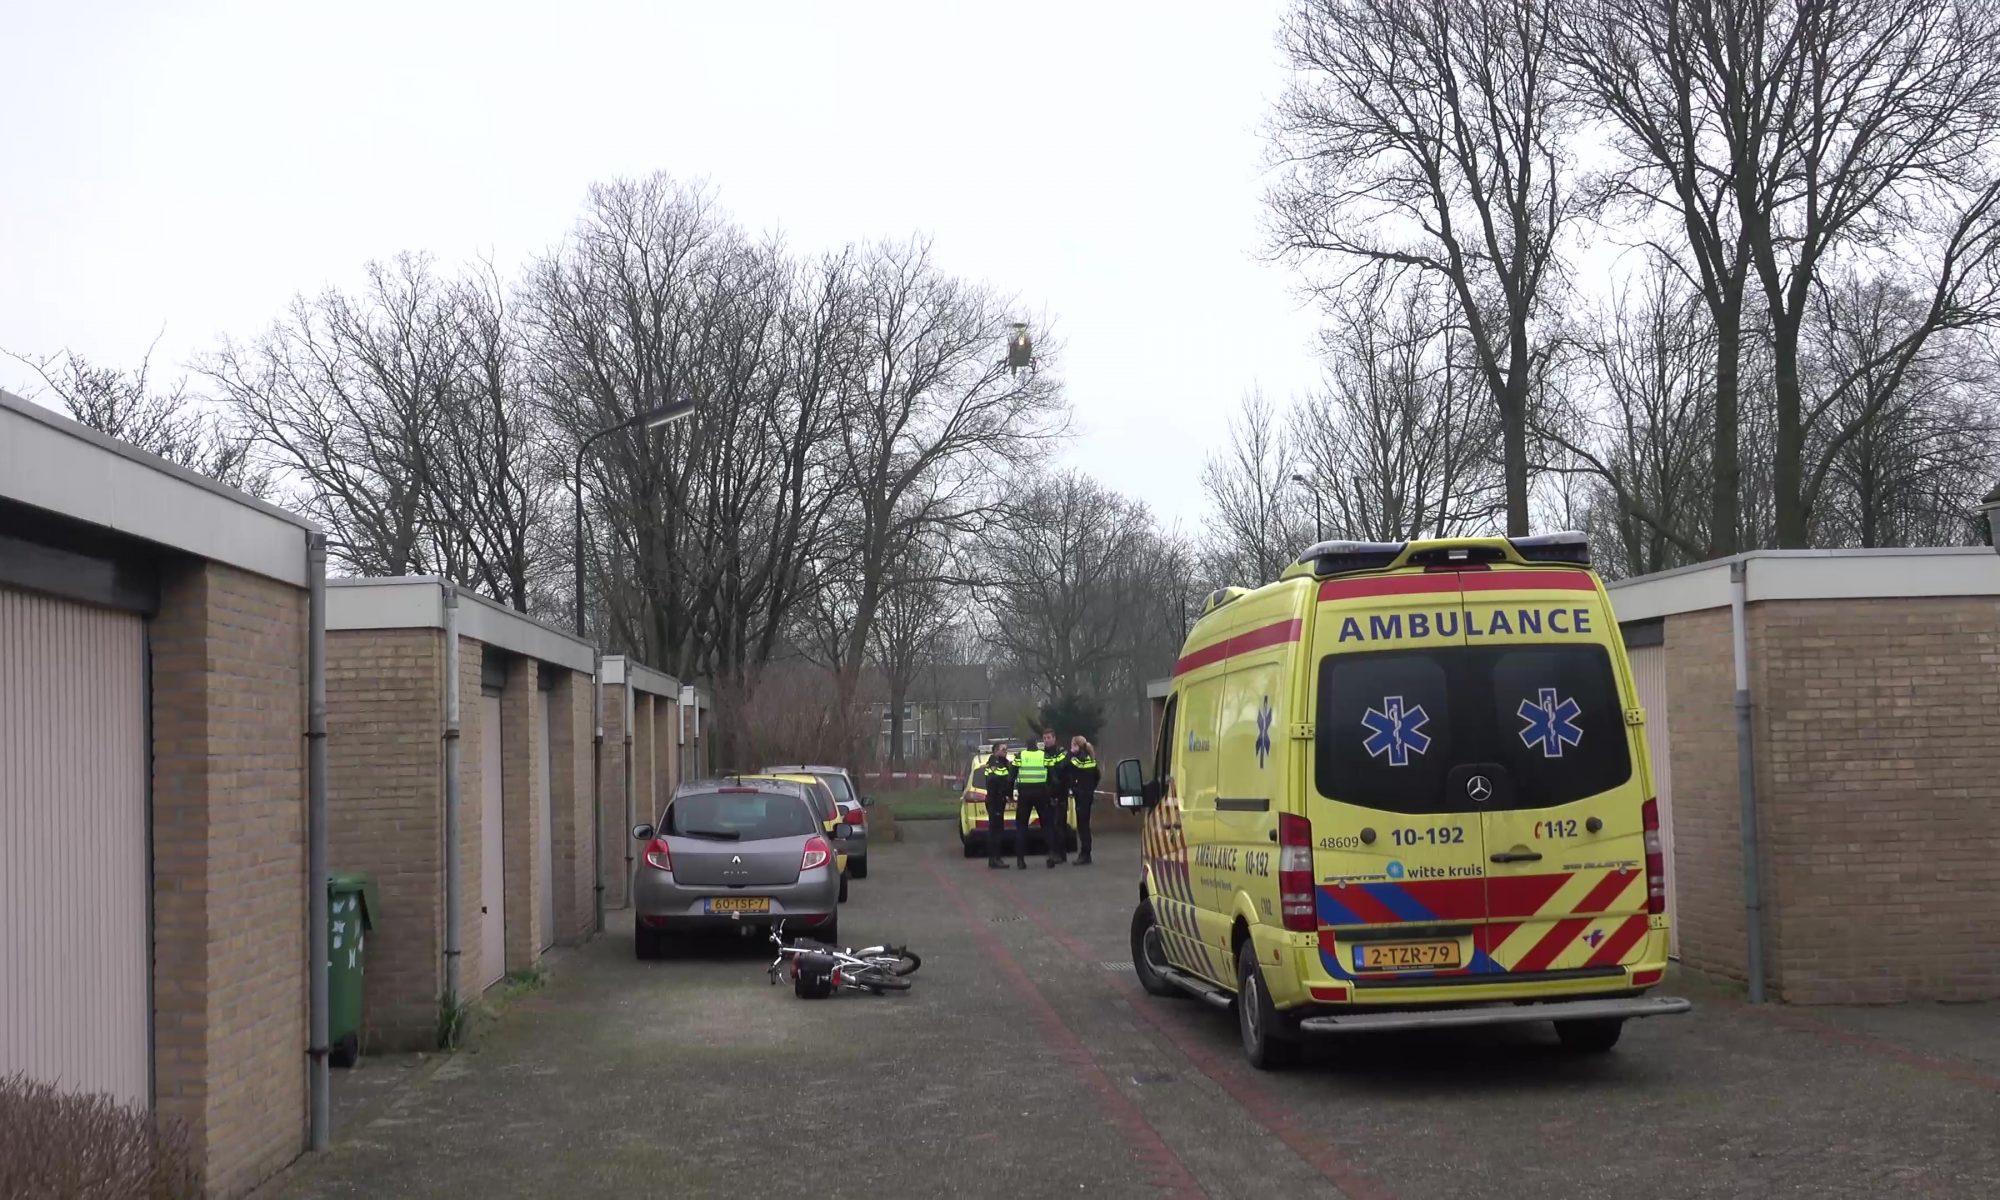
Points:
[[726, 835]]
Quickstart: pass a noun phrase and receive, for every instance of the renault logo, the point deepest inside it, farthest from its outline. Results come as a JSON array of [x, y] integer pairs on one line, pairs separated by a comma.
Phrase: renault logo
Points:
[[1479, 788]]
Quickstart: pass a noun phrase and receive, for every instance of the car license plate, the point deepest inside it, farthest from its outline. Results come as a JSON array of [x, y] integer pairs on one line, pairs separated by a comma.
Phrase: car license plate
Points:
[[1405, 956], [739, 904]]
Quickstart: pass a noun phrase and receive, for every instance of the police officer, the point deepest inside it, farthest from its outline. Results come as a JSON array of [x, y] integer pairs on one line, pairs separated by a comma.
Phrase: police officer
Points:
[[1083, 789], [1031, 773], [999, 774], [1055, 802]]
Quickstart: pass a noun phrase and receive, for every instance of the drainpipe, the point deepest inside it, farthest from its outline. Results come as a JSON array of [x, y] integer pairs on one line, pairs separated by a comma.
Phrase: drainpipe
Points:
[[451, 772], [596, 790], [1746, 783], [321, 1101], [631, 712]]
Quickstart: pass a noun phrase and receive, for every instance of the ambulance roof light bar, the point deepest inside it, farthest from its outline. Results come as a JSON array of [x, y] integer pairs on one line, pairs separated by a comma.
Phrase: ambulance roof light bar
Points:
[[1330, 558], [1567, 546]]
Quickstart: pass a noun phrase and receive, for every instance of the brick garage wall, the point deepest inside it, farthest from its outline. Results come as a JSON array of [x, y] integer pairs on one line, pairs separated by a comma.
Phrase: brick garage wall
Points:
[[645, 760], [572, 824], [472, 735], [385, 811], [521, 773], [616, 833], [1879, 778], [229, 888], [1708, 847]]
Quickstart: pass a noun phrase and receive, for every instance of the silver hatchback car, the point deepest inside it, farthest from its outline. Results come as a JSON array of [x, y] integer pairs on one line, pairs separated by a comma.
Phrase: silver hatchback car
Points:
[[730, 854]]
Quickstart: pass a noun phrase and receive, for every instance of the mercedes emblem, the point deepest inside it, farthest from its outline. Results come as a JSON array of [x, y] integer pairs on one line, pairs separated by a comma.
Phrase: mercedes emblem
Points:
[[1479, 788]]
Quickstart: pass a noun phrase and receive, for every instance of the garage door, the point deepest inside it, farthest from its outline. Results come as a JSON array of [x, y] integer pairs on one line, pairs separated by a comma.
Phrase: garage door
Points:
[[545, 892], [492, 856], [74, 893], [1649, 675]]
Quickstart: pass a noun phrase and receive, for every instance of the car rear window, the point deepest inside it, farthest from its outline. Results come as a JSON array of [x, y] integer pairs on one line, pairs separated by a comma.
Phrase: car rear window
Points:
[[838, 784], [1392, 725], [747, 816]]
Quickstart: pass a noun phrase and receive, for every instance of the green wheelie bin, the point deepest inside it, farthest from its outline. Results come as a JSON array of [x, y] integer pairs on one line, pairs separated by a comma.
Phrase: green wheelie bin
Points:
[[350, 913]]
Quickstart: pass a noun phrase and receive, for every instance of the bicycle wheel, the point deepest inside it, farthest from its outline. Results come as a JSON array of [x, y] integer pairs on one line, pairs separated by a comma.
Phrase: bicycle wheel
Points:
[[877, 981], [896, 962]]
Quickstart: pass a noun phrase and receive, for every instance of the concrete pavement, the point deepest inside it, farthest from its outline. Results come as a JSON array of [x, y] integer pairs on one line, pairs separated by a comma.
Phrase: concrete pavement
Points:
[[1026, 1062]]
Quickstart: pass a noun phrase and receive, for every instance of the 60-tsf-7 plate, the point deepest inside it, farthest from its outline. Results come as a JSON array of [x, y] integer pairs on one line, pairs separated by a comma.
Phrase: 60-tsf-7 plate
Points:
[[739, 904]]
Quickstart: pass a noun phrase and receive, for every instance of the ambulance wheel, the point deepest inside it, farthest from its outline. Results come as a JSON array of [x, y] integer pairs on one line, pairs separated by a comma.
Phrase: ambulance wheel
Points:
[[1266, 1042], [1590, 1037], [1148, 950], [970, 847]]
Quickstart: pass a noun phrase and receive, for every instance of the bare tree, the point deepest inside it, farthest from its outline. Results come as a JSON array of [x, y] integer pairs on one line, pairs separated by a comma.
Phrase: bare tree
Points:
[[170, 422], [1400, 440], [1639, 425], [1259, 519], [1785, 134], [920, 612], [931, 418], [345, 393], [1429, 137]]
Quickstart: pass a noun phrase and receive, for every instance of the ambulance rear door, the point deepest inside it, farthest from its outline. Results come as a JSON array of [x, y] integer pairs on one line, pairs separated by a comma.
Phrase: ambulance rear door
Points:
[[1399, 848], [1563, 813]]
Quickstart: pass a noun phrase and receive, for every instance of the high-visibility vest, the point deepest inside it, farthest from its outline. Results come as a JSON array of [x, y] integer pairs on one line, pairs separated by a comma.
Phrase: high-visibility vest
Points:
[[1034, 766], [998, 769]]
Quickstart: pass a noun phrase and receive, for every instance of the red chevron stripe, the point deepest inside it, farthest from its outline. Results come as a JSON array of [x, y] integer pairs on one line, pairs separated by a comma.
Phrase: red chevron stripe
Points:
[[1389, 585], [1450, 899], [1510, 896], [1368, 908], [1612, 952], [1492, 935], [1565, 931]]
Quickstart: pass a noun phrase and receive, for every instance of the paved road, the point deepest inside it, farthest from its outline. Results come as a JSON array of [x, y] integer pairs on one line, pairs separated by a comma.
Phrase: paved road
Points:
[[1026, 1063]]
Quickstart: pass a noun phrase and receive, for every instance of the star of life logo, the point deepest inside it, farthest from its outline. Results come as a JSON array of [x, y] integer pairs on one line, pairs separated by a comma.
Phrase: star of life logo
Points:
[[1550, 722], [1394, 732]]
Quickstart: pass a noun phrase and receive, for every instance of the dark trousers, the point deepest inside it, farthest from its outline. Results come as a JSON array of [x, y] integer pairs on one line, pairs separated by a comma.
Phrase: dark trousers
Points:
[[996, 825], [1034, 798], [1084, 794]]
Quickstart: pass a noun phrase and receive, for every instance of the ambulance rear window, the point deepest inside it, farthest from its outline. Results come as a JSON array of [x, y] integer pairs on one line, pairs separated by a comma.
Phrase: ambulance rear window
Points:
[[1392, 725]]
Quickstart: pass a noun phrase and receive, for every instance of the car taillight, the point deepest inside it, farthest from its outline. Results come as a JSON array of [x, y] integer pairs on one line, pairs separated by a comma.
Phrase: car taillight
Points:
[[1295, 874], [816, 855], [1656, 859], [856, 817], [657, 856]]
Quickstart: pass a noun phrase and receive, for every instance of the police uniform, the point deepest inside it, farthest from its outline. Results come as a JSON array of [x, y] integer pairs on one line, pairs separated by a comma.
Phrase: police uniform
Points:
[[1082, 775], [999, 773], [1032, 776], [1055, 804]]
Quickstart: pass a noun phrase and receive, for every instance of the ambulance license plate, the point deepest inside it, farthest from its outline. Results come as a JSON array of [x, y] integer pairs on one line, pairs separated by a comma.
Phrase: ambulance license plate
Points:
[[739, 904], [1405, 956]]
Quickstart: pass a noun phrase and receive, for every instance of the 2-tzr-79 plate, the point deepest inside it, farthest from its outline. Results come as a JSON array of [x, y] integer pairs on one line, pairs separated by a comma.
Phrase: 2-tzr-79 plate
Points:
[[1406, 956], [739, 904]]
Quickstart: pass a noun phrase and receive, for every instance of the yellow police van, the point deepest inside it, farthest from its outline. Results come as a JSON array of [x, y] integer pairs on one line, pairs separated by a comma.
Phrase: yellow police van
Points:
[[1405, 786], [972, 831]]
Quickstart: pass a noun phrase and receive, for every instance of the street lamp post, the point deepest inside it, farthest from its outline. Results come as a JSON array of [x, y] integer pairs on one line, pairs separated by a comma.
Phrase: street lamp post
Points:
[[1319, 517], [652, 418]]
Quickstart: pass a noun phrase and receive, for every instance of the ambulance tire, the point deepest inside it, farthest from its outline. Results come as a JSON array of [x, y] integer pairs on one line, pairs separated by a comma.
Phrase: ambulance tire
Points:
[[1590, 1037], [972, 848], [1267, 1042], [1149, 979]]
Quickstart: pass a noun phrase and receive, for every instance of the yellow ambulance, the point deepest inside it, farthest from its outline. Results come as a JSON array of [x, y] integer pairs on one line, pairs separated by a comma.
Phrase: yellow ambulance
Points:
[[1405, 786]]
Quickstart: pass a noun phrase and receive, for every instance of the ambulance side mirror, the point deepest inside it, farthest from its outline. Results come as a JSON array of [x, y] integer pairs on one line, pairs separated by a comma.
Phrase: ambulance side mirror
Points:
[[1132, 786]]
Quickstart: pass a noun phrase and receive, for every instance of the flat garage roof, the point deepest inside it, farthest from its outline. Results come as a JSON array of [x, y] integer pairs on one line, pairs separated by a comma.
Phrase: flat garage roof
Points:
[[417, 602], [50, 462]]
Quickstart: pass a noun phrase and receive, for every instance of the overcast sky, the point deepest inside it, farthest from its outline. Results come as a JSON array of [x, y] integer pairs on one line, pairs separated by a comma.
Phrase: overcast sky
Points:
[[188, 166]]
